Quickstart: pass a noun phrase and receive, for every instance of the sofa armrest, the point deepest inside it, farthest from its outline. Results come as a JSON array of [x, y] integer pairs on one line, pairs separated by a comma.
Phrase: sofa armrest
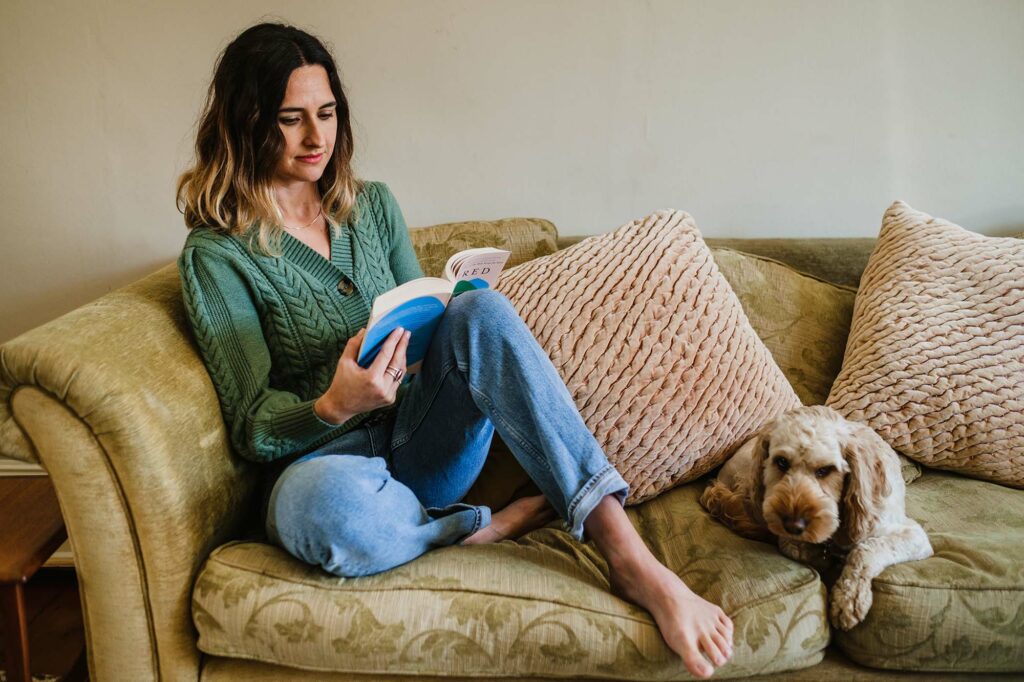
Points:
[[115, 403]]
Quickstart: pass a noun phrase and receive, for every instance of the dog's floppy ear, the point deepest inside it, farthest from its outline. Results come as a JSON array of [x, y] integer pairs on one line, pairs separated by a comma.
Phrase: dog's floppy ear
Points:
[[755, 475], [867, 484], [730, 497]]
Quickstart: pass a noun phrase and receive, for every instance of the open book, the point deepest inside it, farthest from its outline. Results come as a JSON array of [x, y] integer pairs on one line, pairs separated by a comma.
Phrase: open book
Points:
[[419, 304]]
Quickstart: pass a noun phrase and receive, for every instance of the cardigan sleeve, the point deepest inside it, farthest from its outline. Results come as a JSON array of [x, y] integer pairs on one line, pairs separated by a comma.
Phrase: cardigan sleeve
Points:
[[264, 423], [405, 265]]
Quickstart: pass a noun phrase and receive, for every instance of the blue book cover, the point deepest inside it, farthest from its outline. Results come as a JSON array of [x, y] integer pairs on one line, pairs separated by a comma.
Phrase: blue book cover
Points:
[[418, 305]]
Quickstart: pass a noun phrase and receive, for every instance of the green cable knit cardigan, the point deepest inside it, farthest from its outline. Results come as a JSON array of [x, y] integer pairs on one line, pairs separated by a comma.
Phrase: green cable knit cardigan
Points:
[[271, 329]]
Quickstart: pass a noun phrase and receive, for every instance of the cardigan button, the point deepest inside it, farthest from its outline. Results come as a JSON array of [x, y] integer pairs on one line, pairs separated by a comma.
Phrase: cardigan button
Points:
[[345, 286]]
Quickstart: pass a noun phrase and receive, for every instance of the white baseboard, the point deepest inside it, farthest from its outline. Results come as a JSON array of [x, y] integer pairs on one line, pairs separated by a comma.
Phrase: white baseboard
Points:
[[62, 558], [15, 467]]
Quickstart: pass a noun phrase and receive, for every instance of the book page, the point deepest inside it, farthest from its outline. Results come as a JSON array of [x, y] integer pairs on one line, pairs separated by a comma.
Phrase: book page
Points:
[[418, 305], [476, 268]]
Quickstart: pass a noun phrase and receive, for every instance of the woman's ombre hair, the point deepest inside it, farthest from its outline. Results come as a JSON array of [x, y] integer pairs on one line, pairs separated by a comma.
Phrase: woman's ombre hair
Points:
[[239, 142]]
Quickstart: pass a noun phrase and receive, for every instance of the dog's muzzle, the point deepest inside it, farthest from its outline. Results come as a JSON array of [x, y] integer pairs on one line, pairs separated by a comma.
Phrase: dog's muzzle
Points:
[[794, 525]]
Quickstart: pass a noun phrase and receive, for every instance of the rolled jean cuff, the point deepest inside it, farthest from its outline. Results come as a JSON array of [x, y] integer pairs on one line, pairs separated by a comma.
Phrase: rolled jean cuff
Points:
[[607, 481], [480, 519], [483, 519]]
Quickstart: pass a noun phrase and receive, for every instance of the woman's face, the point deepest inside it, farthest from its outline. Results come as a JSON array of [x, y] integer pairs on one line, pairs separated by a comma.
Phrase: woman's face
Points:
[[307, 119]]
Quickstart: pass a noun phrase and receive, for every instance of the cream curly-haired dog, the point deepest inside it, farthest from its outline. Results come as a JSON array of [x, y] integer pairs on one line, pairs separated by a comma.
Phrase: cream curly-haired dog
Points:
[[825, 486]]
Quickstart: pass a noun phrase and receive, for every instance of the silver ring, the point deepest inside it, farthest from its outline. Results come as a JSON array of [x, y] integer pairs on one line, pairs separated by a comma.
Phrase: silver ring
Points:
[[397, 372]]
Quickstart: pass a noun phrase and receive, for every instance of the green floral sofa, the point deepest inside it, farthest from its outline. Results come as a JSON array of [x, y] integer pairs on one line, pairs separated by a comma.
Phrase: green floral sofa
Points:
[[178, 584]]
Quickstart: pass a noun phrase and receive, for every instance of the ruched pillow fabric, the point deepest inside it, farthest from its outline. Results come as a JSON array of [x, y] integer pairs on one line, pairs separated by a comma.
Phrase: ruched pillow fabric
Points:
[[654, 347], [935, 357]]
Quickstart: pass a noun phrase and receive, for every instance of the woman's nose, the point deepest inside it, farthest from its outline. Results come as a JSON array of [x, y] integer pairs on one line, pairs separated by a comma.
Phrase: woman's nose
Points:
[[314, 137]]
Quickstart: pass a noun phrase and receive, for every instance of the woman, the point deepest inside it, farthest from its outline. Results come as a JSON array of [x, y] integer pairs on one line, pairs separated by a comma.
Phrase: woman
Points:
[[286, 252]]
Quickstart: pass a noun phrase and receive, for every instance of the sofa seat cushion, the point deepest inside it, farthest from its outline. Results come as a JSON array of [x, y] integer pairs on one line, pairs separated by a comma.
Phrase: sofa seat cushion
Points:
[[538, 606], [963, 608]]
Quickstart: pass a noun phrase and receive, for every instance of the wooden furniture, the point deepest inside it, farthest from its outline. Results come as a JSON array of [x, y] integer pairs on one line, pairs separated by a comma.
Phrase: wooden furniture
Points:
[[31, 529]]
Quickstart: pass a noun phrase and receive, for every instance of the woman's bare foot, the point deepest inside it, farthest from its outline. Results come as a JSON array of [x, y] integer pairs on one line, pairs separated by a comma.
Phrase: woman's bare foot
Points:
[[687, 622], [518, 518]]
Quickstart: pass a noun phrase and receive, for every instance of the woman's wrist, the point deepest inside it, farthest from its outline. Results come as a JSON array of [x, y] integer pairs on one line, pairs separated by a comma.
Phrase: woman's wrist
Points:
[[324, 409]]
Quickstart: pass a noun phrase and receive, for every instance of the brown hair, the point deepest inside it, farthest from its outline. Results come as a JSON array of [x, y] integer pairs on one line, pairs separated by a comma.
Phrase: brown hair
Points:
[[238, 142]]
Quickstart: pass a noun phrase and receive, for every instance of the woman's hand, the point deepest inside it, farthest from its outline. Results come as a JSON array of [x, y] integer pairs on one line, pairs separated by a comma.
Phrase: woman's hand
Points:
[[355, 390]]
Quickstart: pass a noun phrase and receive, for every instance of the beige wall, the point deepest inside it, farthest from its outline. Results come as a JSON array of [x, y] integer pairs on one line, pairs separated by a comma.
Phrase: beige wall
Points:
[[759, 118]]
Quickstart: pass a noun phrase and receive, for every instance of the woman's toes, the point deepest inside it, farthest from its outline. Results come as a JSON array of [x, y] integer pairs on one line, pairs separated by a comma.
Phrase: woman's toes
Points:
[[724, 630], [723, 644], [712, 649], [696, 664]]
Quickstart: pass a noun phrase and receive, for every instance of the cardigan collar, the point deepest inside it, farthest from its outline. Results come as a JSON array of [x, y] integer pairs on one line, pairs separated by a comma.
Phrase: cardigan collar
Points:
[[328, 271], [337, 274], [343, 254]]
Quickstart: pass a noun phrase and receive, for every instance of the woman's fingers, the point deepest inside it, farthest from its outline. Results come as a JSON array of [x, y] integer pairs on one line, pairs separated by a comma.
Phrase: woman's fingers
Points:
[[400, 358], [387, 352], [398, 361]]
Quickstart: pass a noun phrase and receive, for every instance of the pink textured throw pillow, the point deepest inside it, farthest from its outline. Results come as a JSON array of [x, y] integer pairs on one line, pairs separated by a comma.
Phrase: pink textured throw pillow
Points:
[[654, 347], [935, 358]]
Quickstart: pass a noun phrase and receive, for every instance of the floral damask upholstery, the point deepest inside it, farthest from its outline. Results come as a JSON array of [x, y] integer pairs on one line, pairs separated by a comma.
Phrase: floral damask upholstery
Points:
[[536, 606]]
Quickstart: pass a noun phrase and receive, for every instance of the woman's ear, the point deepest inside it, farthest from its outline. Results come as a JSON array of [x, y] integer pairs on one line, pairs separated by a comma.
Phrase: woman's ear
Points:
[[867, 484]]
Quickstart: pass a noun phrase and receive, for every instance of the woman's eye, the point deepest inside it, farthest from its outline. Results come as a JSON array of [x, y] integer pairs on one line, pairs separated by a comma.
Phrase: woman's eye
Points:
[[289, 121], [822, 472], [782, 463], [326, 116]]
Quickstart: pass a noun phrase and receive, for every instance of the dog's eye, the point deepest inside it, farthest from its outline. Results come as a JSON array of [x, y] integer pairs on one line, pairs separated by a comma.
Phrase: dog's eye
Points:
[[782, 463], [822, 472]]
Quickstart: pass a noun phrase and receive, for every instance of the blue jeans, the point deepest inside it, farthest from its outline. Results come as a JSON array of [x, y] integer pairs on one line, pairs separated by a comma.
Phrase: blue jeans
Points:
[[390, 490]]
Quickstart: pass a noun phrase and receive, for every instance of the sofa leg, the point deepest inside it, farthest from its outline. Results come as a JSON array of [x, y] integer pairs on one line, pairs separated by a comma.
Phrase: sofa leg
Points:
[[12, 605]]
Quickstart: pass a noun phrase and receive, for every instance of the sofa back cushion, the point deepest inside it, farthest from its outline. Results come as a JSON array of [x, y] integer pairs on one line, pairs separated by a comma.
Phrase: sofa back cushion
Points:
[[838, 260], [525, 238], [803, 320]]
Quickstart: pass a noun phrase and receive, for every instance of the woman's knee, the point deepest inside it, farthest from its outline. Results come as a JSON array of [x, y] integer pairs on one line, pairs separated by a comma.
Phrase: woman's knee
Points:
[[480, 305], [332, 480], [484, 316], [332, 511]]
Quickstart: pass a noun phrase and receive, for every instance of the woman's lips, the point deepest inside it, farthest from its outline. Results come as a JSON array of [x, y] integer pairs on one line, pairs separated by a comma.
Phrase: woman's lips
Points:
[[310, 159]]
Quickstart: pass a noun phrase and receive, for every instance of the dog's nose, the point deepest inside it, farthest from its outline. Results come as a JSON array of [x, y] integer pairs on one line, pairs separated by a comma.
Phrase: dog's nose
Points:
[[794, 526]]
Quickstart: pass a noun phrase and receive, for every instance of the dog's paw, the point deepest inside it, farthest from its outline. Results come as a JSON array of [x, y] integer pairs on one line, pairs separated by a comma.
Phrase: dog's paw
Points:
[[851, 600]]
